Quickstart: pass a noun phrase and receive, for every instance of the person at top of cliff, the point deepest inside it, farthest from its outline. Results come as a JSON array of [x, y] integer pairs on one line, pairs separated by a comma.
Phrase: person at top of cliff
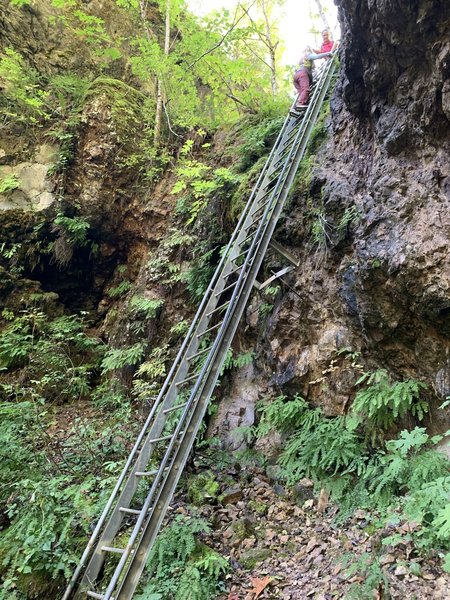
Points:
[[303, 78], [327, 43]]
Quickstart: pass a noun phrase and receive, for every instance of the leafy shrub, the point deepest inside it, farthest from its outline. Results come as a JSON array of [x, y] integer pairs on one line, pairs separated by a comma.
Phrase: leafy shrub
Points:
[[72, 233], [321, 448], [259, 136], [182, 568], [403, 467], [429, 505], [145, 307], [51, 489], [22, 99], [381, 403], [118, 358]]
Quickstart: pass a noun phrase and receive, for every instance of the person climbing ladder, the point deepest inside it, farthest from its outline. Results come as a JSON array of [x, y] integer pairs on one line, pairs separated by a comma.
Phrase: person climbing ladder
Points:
[[304, 74]]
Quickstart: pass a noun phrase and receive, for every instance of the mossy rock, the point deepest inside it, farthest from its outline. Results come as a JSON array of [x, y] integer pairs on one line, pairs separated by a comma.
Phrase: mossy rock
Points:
[[260, 508], [250, 558], [202, 488], [242, 529]]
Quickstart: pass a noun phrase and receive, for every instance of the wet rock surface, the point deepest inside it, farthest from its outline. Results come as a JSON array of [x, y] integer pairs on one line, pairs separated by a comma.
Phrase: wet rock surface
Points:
[[373, 234]]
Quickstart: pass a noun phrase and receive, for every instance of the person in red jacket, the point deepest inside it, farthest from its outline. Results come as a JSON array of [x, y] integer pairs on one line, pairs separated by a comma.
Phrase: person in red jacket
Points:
[[327, 43]]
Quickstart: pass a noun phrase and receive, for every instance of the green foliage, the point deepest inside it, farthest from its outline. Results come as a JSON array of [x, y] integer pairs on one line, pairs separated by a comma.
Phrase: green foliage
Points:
[[282, 415], [54, 465], [202, 487], [119, 290], [59, 357], [320, 227], [118, 358], [351, 216], [200, 273], [429, 505], [75, 229], [373, 577], [243, 360], [180, 328], [8, 183], [404, 474], [44, 528], [155, 365], [22, 99], [146, 308], [381, 403], [51, 487], [182, 568], [402, 467], [201, 183], [259, 134], [321, 448], [319, 131]]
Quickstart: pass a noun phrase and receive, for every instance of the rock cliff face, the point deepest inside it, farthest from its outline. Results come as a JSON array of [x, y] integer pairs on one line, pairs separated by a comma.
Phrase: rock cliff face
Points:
[[374, 286], [373, 289]]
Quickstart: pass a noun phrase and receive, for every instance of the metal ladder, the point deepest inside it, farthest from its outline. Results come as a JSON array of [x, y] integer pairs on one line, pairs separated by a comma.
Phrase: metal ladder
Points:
[[109, 570]]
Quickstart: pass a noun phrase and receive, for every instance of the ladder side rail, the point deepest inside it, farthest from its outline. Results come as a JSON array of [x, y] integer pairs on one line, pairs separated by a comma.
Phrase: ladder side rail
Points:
[[181, 424], [234, 318], [178, 358], [108, 506], [153, 429], [166, 491]]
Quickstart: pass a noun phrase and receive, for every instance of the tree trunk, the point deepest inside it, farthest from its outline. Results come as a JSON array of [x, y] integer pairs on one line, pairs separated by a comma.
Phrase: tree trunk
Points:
[[159, 85], [322, 14], [272, 49]]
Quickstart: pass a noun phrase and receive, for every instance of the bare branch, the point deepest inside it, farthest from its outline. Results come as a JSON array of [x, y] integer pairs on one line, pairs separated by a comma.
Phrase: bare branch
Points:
[[225, 35], [168, 119]]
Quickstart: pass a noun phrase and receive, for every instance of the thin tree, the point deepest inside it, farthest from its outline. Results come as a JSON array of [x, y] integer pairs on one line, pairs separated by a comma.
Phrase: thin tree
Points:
[[322, 14], [268, 36], [159, 83]]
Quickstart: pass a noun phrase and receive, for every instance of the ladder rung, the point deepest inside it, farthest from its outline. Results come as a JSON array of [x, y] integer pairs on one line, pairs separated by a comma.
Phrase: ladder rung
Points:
[[131, 511], [291, 134], [235, 270], [229, 287], [283, 154], [250, 235], [96, 595], [207, 349], [176, 407], [111, 549], [243, 253], [163, 438], [218, 308], [264, 204], [263, 197], [190, 378], [247, 227], [199, 335], [146, 473]]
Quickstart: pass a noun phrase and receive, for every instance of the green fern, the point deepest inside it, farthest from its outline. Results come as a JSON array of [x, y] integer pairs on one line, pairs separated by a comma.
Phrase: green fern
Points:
[[243, 360], [282, 414], [321, 450], [182, 568], [405, 467], [117, 358], [381, 403], [119, 290], [145, 307]]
